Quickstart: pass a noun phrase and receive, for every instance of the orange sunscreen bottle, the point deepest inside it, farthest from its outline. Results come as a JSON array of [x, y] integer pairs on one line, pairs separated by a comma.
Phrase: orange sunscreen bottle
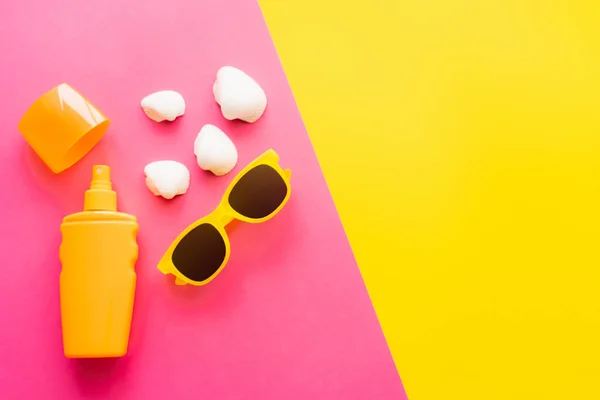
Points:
[[97, 282]]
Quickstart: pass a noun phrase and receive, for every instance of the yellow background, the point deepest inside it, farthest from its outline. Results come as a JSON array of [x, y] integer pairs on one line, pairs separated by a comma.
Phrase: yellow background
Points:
[[461, 143]]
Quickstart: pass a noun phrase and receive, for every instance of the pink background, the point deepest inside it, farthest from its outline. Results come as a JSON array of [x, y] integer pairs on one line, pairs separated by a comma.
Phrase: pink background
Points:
[[288, 318]]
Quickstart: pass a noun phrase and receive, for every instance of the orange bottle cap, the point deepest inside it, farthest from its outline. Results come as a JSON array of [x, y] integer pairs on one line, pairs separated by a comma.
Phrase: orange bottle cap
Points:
[[62, 126]]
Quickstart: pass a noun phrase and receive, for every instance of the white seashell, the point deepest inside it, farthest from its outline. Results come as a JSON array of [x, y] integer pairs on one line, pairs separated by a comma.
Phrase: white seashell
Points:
[[167, 178], [239, 96], [164, 105], [214, 151]]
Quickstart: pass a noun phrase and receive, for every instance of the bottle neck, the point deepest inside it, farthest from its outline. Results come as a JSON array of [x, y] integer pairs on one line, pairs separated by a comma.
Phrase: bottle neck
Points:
[[100, 200]]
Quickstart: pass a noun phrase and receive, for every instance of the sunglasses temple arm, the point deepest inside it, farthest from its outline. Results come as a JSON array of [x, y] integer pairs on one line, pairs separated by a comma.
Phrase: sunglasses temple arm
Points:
[[164, 268]]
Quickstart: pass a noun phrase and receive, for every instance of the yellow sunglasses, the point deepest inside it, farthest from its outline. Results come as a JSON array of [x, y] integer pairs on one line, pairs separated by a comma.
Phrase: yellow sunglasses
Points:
[[255, 195]]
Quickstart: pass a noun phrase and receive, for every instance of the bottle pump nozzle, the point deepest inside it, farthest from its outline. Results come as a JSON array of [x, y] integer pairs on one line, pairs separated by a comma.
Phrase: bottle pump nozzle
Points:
[[100, 196]]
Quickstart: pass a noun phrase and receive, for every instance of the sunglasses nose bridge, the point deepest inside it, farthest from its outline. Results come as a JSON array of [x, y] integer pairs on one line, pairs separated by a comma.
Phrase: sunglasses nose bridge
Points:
[[225, 219], [223, 215]]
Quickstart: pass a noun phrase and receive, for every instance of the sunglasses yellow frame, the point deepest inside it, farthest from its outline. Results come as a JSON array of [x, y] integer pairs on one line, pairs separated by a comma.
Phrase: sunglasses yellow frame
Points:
[[222, 216]]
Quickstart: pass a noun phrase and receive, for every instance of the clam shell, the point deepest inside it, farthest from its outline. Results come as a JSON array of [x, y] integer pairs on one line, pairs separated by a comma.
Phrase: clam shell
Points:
[[167, 178], [163, 105], [214, 150], [239, 96]]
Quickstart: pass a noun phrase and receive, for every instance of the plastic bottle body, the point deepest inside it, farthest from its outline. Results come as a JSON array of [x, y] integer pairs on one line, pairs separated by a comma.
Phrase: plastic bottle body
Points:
[[97, 282]]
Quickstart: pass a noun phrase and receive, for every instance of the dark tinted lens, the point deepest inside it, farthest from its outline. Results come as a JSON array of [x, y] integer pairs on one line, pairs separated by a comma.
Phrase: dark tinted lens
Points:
[[258, 193], [200, 253]]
